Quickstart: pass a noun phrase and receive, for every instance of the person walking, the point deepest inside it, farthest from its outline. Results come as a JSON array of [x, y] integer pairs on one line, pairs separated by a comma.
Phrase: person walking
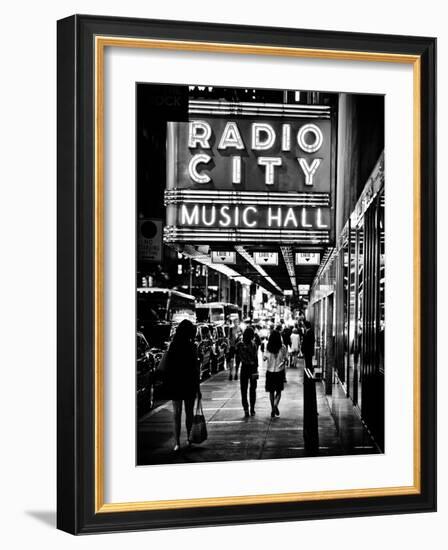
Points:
[[275, 358], [234, 334], [257, 339], [182, 378], [295, 346], [247, 356], [301, 329], [286, 337], [308, 343]]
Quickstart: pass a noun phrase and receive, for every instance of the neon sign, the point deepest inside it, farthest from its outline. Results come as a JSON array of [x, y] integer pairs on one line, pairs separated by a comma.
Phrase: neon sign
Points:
[[309, 139], [246, 170], [234, 216]]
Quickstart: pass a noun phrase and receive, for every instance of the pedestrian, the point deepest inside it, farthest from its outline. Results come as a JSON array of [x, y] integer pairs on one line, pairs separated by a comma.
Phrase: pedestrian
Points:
[[275, 358], [182, 378], [308, 342], [247, 356], [263, 333], [257, 340], [234, 335], [295, 346], [286, 337]]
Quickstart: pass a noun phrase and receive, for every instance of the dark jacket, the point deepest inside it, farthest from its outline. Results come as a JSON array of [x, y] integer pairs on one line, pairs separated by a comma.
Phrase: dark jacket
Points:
[[286, 336], [308, 343], [181, 371], [247, 355]]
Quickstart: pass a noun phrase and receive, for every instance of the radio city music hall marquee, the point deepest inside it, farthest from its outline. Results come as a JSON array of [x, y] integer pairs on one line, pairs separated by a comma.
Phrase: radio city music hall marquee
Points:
[[249, 172]]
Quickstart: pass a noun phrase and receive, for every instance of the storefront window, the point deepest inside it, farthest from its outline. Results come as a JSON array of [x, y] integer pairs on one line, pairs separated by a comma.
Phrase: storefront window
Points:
[[360, 306], [381, 284], [352, 313], [345, 286]]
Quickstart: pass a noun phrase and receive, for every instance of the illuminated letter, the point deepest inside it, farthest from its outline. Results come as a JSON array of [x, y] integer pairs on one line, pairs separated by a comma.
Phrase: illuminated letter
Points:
[[290, 216], [257, 143], [245, 220], [319, 219], [269, 162], [212, 217], [200, 132], [224, 213], [236, 169], [304, 224], [192, 168], [277, 218], [231, 137], [237, 216], [318, 138], [286, 137], [309, 170], [189, 219]]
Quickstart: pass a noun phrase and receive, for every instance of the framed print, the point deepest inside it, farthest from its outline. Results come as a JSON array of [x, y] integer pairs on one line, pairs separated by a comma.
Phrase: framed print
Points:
[[246, 274]]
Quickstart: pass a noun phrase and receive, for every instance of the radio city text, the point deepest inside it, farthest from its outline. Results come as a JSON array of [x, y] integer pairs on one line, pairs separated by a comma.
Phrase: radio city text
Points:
[[263, 137]]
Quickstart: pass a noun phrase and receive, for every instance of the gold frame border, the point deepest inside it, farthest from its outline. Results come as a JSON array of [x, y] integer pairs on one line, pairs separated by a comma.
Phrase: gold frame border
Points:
[[101, 42]]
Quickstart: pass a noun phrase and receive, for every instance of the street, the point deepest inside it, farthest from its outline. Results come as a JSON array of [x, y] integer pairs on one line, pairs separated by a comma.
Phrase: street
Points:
[[232, 436]]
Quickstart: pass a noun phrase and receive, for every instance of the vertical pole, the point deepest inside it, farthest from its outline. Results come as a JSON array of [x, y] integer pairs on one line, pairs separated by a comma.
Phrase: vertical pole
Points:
[[310, 421], [206, 283], [191, 277]]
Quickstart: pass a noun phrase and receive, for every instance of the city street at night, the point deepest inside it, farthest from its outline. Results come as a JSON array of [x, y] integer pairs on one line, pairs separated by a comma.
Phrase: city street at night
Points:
[[260, 226], [232, 436]]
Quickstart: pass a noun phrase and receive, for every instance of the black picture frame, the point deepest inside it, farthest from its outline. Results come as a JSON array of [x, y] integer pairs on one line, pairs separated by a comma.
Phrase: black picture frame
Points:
[[77, 511]]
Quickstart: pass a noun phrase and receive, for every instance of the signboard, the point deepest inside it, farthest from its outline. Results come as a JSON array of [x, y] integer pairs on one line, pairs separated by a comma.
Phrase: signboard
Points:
[[251, 154], [266, 258], [248, 172], [149, 240], [307, 258], [304, 289], [287, 292], [223, 257], [257, 216]]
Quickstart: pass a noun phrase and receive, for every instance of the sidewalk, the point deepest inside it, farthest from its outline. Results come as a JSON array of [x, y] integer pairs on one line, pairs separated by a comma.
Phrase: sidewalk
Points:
[[231, 436]]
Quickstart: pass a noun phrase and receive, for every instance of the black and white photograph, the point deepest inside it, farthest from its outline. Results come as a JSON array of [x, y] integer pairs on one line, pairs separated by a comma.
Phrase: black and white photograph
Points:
[[222, 275], [260, 274]]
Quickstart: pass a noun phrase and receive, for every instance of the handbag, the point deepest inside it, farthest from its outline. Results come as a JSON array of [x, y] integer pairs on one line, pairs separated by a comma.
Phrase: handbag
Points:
[[199, 429]]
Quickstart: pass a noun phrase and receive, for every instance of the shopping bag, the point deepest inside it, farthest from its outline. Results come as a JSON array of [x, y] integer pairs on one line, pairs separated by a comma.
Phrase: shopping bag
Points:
[[199, 429]]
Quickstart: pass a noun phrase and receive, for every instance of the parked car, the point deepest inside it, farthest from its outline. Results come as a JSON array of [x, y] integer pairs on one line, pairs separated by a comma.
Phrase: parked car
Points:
[[146, 375], [204, 349], [159, 311], [219, 347]]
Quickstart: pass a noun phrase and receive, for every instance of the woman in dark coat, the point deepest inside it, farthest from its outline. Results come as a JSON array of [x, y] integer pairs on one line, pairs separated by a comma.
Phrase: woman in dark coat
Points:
[[308, 345], [182, 377], [246, 354]]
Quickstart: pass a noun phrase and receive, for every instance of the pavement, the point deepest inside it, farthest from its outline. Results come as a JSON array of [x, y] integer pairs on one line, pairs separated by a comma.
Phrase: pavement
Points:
[[232, 436]]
